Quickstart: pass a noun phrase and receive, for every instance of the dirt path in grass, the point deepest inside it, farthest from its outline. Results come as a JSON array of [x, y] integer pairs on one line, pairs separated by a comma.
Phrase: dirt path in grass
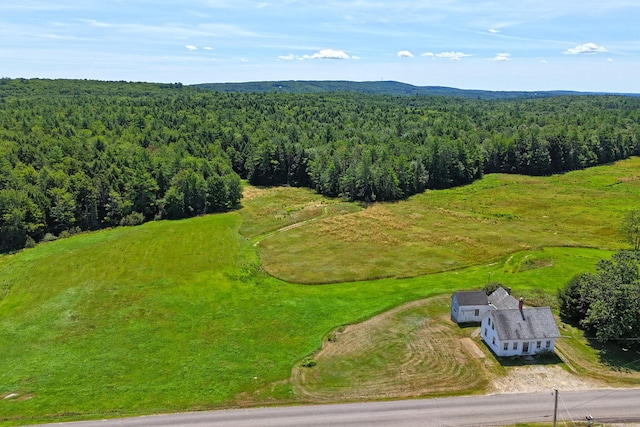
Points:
[[259, 239], [406, 352]]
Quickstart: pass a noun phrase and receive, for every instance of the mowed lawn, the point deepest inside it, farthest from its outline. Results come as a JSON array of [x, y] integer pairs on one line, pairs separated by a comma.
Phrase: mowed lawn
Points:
[[177, 315], [456, 228]]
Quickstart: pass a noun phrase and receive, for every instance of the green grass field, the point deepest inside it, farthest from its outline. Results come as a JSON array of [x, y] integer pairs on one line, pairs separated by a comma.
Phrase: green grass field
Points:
[[460, 227], [177, 315]]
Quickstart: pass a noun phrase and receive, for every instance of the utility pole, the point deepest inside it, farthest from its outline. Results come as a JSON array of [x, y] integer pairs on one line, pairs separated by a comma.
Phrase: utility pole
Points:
[[555, 409]]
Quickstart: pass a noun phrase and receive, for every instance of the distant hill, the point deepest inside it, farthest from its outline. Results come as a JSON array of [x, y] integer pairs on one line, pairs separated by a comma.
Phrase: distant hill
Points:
[[380, 88]]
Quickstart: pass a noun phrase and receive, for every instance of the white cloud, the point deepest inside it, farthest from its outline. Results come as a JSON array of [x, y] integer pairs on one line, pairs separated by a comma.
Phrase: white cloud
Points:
[[544, 61], [328, 54], [502, 57], [609, 60], [95, 23], [207, 48], [405, 54], [585, 48], [456, 56], [493, 30], [289, 57], [176, 30], [191, 47], [322, 54]]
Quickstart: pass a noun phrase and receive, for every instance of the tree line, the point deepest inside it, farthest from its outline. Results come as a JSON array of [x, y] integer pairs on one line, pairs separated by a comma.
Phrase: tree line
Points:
[[607, 303], [83, 155]]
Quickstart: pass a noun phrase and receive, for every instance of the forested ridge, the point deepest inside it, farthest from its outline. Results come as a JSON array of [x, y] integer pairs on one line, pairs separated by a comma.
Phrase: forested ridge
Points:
[[83, 155], [385, 88], [376, 87]]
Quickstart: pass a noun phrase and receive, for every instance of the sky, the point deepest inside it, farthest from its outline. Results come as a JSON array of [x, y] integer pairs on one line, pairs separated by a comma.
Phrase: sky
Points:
[[582, 45]]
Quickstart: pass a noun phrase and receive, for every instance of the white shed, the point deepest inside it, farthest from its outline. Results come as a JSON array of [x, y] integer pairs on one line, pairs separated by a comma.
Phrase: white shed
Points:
[[469, 306]]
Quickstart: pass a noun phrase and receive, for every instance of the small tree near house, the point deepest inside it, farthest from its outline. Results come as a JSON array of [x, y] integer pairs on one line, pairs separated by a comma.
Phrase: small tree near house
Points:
[[630, 227]]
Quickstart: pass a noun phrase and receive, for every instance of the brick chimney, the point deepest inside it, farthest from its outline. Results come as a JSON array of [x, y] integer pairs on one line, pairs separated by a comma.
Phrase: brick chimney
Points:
[[520, 306]]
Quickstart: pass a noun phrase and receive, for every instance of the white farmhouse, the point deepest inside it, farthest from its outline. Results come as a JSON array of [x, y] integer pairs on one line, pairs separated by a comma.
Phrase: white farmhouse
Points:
[[518, 332]]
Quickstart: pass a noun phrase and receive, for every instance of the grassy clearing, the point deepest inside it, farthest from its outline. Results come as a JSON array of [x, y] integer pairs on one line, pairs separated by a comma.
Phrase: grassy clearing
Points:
[[87, 338], [266, 210], [452, 229], [407, 352], [176, 316]]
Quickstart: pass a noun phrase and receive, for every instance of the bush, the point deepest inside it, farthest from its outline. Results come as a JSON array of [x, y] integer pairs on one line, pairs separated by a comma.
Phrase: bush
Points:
[[134, 218], [49, 237], [30, 243], [308, 362], [491, 287]]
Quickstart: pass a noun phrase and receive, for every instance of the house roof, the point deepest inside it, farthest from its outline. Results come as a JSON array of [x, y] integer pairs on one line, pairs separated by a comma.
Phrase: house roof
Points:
[[471, 298], [502, 300], [531, 323]]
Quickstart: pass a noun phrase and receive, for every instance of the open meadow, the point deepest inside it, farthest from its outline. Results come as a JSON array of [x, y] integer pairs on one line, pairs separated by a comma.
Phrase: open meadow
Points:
[[452, 229], [180, 315]]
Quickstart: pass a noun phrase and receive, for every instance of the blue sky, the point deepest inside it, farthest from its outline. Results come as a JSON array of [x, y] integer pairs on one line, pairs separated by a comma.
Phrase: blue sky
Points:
[[472, 44]]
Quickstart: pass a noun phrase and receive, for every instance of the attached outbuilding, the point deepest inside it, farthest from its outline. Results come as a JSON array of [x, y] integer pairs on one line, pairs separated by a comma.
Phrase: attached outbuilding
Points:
[[501, 299], [519, 332], [469, 306]]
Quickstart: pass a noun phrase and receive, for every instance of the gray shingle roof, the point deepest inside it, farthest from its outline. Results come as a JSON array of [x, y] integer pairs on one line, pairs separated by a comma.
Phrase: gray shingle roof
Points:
[[471, 298], [502, 300], [538, 323]]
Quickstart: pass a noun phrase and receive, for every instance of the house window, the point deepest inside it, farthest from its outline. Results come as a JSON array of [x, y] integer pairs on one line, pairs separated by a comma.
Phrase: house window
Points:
[[515, 346], [493, 326], [505, 347], [538, 344], [489, 321], [548, 344], [494, 341], [477, 312], [485, 332]]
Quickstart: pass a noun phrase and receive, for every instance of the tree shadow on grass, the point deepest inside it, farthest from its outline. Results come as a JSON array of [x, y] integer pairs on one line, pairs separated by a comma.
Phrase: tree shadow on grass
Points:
[[618, 356]]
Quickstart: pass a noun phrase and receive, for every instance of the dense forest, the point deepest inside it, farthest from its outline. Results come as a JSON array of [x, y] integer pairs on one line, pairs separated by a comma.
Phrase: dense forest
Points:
[[84, 155]]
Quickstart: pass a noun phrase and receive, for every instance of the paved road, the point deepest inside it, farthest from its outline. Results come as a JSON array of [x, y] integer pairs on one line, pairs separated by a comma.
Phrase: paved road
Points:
[[606, 405]]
